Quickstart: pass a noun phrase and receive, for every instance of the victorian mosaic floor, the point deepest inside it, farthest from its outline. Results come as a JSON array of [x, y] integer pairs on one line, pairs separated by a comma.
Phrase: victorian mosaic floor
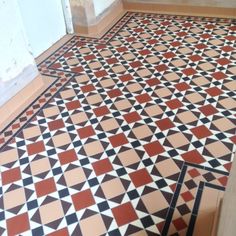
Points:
[[136, 126]]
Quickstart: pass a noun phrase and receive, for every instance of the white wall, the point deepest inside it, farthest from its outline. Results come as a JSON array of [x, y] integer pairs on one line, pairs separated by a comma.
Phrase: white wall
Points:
[[17, 66], [101, 5], [44, 23]]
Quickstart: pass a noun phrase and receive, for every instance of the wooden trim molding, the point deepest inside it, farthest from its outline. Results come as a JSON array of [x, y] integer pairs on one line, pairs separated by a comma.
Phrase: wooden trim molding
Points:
[[179, 9], [17, 103]]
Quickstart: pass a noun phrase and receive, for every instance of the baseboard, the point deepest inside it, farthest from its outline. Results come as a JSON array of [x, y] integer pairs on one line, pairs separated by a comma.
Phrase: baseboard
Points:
[[17, 103], [190, 10], [104, 22]]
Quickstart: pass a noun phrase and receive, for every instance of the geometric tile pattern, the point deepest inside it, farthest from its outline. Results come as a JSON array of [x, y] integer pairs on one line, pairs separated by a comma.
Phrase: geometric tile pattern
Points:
[[137, 124]]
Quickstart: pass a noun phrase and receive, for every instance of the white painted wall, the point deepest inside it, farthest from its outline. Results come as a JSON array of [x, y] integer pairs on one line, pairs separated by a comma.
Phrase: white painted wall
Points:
[[17, 66], [44, 23], [101, 5]]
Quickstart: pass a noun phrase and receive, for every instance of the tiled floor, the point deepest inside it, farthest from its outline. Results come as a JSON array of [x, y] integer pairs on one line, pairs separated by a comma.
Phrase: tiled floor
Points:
[[136, 127]]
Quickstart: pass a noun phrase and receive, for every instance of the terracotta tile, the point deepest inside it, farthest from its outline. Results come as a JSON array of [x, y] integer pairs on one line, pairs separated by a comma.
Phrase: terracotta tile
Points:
[[102, 166], [208, 110], [83, 200], [45, 187], [67, 157], [86, 132], [193, 157], [118, 140], [132, 117], [154, 148], [201, 132], [140, 177], [165, 124], [124, 214], [18, 224], [55, 125], [10, 176], [35, 148], [73, 105]]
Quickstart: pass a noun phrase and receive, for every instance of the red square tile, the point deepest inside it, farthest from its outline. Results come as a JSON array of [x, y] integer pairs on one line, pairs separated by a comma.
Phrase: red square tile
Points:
[[83, 199], [87, 88], [73, 105], [132, 117], [130, 39], [118, 140], [179, 224], [114, 93], [101, 111], [18, 224], [201, 132], [187, 196], [161, 68], [214, 91], [189, 71], [153, 82], [152, 41], [227, 48], [208, 110], [138, 30], [169, 55], [67, 157], [125, 78], [56, 124], [223, 61], [231, 38], [176, 44], [159, 32], [174, 104], [35, 148], [122, 49], [182, 86], [219, 75], [102, 166], [77, 69], [154, 148], [145, 52], [205, 36], [193, 157], [233, 28], [86, 132], [100, 73], [182, 34], [165, 124], [45, 187], [112, 60], [143, 98], [60, 232], [140, 178], [10, 176], [201, 46], [124, 214], [101, 46], [89, 57]]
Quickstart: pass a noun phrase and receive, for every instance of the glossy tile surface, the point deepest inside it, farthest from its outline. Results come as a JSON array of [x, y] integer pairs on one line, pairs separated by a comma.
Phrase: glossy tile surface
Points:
[[137, 125]]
